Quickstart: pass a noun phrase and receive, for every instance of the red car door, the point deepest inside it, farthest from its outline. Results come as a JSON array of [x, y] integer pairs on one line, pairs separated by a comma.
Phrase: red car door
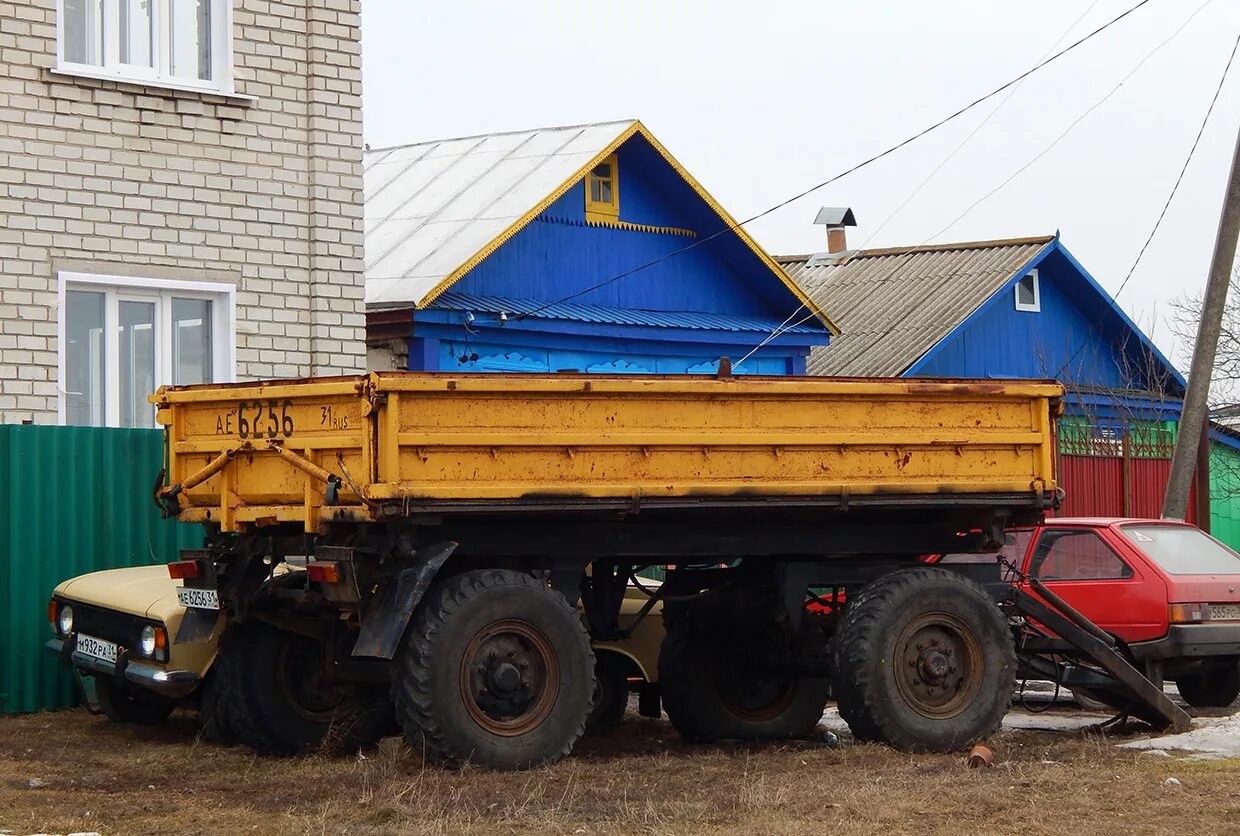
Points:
[[1108, 587]]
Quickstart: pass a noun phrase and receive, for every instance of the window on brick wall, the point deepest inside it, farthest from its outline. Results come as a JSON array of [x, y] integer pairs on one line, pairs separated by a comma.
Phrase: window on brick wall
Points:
[[122, 338], [171, 42]]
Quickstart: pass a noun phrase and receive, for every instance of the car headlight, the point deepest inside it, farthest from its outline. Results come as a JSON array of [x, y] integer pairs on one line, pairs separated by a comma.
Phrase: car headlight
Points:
[[146, 641], [64, 622]]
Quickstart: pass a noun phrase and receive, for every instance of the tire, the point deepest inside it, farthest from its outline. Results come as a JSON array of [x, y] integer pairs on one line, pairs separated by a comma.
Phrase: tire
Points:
[[1213, 688], [924, 662], [140, 707], [276, 699], [497, 669], [611, 694], [710, 691], [1088, 702], [217, 706]]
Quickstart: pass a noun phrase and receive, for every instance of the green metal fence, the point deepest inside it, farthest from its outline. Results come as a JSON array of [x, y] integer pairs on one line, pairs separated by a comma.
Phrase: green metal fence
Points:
[[76, 500], [1225, 494]]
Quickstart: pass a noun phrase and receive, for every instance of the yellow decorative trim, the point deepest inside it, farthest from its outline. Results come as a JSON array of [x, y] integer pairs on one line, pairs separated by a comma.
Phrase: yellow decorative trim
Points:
[[658, 230], [636, 128]]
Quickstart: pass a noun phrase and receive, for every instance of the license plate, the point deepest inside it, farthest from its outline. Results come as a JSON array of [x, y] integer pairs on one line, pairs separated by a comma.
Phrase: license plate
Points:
[[1225, 612], [199, 599], [97, 648]]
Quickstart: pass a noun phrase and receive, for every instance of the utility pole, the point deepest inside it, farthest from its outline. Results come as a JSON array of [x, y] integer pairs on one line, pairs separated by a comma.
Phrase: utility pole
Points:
[[1195, 416]]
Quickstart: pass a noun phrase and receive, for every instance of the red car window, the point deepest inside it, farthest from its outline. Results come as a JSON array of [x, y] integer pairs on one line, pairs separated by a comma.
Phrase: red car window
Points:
[[1066, 554]]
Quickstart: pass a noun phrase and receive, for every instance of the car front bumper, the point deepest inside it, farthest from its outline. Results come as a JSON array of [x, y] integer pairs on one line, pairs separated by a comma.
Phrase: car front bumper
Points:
[[1191, 641], [168, 683]]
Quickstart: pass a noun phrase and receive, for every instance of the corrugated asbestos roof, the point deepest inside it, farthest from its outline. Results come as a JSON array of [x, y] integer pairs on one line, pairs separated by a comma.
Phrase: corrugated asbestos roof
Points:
[[894, 305], [600, 314], [433, 206]]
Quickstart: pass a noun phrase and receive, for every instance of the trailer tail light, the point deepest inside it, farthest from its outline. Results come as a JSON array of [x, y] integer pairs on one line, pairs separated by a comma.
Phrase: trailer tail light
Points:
[[184, 569], [1189, 613], [326, 572]]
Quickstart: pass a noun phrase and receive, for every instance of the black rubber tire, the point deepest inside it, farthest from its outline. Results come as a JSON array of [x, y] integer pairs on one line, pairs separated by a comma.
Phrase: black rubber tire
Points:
[[260, 697], [867, 661], [1217, 687], [696, 664], [216, 705], [140, 707], [611, 694], [435, 710]]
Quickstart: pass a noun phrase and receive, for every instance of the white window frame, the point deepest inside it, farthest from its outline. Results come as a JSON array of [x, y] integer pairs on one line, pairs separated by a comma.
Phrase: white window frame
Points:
[[1034, 306], [223, 330], [112, 70]]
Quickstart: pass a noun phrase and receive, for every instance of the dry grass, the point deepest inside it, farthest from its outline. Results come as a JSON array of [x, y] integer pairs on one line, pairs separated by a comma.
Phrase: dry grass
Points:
[[90, 774]]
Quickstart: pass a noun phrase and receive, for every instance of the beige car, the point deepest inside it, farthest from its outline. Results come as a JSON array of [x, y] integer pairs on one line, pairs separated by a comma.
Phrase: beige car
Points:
[[118, 630]]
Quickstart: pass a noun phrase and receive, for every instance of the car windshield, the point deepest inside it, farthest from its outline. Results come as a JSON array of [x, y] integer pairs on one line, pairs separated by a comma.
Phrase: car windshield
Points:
[[1181, 550]]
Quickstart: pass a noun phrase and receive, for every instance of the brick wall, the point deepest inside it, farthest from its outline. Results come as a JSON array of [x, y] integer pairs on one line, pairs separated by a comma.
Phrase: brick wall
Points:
[[261, 190]]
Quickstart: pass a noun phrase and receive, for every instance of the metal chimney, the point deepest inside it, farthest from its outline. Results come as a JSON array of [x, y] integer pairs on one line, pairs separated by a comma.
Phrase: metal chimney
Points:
[[835, 218]]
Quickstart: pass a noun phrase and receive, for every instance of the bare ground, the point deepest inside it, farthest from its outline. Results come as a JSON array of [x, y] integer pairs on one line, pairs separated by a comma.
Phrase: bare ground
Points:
[[70, 771]]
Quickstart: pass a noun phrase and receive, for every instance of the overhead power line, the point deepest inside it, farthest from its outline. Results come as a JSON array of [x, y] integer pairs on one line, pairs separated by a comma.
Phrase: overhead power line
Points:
[[851, 170], [784, 328], [969, 138], [1174, 188]]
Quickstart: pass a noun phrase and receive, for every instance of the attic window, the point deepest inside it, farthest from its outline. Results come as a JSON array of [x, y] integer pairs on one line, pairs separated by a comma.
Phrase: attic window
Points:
[[603, 191], [1028, 295]]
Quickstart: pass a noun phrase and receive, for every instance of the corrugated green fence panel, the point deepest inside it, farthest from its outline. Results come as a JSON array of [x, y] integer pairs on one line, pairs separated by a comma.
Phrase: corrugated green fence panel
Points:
[[77, 499], [1225, 494]]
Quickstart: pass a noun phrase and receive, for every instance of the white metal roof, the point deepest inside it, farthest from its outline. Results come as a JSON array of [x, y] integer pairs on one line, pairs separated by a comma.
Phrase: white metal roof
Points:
[[432, 207]]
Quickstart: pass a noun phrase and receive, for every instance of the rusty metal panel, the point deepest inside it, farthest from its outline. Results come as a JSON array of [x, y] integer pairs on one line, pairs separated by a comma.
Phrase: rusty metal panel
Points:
[[285, 437], [78, 499], [438, 440]]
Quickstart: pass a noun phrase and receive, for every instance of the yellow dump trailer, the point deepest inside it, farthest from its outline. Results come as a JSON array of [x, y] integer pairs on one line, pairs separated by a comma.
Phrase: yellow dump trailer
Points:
[[450, 526], [393, 444]]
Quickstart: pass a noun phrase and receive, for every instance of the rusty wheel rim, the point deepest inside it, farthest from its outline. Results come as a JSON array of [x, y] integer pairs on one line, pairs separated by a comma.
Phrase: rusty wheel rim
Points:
[[509, 677], [938, 665]]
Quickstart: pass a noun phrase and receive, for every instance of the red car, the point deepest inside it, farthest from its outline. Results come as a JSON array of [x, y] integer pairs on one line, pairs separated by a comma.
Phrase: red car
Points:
[[1166, 590]]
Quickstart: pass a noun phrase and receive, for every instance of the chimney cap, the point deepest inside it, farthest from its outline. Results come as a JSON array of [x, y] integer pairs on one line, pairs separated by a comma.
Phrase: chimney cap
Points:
[[835, 216]]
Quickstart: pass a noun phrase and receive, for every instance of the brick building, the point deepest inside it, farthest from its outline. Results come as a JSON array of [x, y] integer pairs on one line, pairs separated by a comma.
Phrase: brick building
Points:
[[180, 199]]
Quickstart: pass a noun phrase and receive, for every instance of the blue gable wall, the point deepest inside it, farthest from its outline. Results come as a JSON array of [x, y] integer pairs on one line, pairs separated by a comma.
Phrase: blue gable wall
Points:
[[559, 254], [1077, 337]]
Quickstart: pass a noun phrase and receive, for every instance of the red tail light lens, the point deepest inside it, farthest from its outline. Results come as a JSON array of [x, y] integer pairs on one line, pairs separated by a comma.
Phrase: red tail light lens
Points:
[[323, 572], [184, 569]]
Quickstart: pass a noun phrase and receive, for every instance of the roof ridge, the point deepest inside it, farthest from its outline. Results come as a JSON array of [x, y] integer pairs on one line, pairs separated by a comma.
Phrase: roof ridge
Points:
[[926, 248], [397, 147], [957, 245]]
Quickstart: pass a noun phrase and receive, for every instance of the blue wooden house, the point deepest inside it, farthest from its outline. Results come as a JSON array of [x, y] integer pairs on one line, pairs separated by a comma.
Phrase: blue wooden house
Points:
[[1017, 308], [585, 248], [1024, 308]]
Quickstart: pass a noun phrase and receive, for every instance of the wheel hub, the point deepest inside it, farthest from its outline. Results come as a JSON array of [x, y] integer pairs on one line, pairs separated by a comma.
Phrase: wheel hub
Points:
[[509, 677], [934, 664], [939, 665]]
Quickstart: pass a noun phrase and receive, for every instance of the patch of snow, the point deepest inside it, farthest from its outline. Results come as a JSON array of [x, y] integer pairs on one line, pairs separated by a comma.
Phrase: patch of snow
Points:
[[1217, 737], [1059, 721]]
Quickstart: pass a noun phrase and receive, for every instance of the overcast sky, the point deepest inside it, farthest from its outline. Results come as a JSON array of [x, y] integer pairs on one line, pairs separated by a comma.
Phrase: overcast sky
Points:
[[762, 100]]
